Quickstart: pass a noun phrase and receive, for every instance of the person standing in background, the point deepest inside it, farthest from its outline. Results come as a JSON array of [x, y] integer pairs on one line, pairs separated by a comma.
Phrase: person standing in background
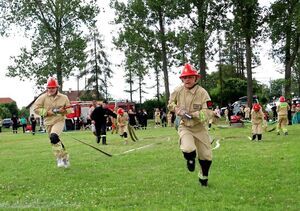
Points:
[[247, 111], [15, 122], [0, 124], [23, 123], [157, 117], [33, 123]]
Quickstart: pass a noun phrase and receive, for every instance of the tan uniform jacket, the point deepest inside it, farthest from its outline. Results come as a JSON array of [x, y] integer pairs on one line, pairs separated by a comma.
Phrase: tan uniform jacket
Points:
[[157, 116], [257, 117], [282, 109], [47, 103], [122, 122], [191, 100], [247, 112]]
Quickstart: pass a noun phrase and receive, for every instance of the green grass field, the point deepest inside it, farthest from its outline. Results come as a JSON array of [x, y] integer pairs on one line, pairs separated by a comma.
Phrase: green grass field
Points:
[[150, 174]]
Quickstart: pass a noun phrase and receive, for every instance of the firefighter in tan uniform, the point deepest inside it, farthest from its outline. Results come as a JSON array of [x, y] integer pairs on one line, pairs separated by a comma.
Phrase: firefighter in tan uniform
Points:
[[282, 112], [122, 121], [53, 106], [247, 111], [257, 119], [189, 102]]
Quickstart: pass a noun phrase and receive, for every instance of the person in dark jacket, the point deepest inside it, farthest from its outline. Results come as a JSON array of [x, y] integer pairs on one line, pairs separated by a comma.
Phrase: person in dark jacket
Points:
[[33, 123], [15, 122], [99, 119]]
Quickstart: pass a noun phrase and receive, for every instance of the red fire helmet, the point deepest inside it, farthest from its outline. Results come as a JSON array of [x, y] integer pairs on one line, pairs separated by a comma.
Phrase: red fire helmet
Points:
[[256, 107], [52, 83], [281, 99], [188, 70], [120, 111]]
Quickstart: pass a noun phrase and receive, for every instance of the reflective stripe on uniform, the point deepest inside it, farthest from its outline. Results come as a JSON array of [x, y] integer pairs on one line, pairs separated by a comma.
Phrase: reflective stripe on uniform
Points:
[[42, 112]]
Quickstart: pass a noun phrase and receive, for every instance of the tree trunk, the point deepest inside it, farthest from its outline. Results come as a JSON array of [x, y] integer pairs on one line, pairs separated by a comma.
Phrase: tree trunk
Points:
[[164, 55], [202, 13], [96, 69], [287, 68], [157, 81], [249, 72], [58, 60]]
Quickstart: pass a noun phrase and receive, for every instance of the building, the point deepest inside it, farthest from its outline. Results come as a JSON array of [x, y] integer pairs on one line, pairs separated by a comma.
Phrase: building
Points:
[[6, 100]]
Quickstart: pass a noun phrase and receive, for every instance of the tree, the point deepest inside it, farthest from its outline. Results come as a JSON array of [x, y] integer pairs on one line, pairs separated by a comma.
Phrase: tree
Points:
[[8, 109], [4, 112], [98, 66], [247, 21], [296, 77], [276, 87], [205, 17], [284, 25], [145, 29], [56, 34]]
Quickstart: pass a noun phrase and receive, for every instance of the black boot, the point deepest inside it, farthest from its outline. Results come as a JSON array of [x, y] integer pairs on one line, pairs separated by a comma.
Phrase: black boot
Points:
[[104, 141], [253, 137], [98, 140], [190, 160], [259, 137], [205, 165]]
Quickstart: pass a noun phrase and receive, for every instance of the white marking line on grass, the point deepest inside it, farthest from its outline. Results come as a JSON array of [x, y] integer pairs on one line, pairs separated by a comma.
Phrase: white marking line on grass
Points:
[[136, 149], [217, 144]]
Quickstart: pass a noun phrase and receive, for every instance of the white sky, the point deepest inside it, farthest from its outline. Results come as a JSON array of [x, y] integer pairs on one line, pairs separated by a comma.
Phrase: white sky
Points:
[[23, 92]]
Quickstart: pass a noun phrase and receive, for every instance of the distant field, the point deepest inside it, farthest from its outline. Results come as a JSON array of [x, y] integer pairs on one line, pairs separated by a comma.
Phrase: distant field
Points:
[[151, 173]]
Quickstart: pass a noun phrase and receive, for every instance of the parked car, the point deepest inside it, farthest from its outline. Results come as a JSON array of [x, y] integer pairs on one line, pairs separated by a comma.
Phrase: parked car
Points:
[[296, 100], [6, 123], [242, 102]]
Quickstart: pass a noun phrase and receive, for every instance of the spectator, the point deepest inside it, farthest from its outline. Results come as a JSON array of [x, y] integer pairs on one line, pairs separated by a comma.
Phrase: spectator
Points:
[[157, 117], [23, 123], [33, 123], [15, 123]]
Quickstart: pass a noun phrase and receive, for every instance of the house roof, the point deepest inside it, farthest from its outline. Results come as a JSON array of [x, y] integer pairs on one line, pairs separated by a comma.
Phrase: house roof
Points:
[[6, 100], [72, 95]]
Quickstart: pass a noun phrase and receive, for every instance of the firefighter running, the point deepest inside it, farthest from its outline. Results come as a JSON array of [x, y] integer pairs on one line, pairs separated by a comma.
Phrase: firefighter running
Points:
[[52, 107], [190, 102]]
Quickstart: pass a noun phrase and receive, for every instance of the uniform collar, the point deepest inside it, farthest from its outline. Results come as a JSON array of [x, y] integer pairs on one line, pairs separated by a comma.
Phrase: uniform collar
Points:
[[192, 90], [54, 96]]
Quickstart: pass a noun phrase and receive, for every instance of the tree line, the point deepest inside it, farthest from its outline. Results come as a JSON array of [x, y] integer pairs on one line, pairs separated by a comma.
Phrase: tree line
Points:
[[158, 36]]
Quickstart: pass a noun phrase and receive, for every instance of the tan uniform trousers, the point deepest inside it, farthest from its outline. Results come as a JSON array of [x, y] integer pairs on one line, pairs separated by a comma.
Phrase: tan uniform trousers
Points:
[[58, 149], [195, 138], [282, 123], [257, 128]]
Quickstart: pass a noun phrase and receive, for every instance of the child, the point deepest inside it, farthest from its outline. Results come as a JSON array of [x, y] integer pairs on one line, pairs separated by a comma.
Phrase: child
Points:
[[282, 111], [257, 118], [122, 121]]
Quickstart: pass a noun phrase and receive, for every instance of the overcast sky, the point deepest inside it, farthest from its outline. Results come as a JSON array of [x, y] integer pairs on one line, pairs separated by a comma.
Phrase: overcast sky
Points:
[[23, 92]]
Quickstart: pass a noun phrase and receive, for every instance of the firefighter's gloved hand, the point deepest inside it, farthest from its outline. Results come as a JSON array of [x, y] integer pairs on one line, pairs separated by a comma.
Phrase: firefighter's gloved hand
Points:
[[56, 110], [200, 115], [181, 112]]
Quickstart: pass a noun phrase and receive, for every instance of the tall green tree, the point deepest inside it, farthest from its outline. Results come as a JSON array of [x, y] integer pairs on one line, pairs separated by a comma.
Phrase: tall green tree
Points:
[[247, 20], [284, 25], [98, 67], [204, 18], [145, 25], [56, 33], [296, 76]]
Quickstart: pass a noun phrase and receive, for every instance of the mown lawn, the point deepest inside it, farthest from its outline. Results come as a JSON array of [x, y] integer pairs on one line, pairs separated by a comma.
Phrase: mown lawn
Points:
[[151, 173]]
